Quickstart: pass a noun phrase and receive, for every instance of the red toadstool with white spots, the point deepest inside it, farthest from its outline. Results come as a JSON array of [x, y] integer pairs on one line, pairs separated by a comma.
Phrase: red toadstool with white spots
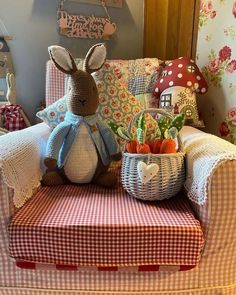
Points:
[[177, 87]]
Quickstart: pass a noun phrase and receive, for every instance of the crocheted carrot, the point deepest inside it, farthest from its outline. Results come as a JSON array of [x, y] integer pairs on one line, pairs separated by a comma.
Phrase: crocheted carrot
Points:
[[142, 147], [131, 146], [155, 145], [168, 146], [155, 142]]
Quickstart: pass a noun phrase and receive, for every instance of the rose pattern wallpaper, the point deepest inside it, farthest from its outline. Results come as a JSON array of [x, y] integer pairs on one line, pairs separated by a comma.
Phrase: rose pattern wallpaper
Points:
[[216, 55], [219, 64]]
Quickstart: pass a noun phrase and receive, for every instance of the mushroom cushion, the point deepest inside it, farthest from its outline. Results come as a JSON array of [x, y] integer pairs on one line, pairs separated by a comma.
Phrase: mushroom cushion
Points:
[[177, 87]]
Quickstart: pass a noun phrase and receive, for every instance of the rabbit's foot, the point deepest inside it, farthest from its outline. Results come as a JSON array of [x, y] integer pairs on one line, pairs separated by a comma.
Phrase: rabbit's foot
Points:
[[106, 179], [52, 178]]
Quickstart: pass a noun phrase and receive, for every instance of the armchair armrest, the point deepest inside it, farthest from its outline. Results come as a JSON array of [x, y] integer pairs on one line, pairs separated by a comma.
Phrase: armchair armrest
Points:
[[20, 160], [210, 185], [205, 153]]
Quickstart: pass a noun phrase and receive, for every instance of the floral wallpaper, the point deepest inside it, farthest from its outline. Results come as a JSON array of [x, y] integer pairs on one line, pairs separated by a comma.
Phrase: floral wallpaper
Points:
[[216, 55]]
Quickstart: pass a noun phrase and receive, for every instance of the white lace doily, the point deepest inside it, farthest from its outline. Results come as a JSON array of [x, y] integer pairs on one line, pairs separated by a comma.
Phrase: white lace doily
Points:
[[204, 154], [20, 160]]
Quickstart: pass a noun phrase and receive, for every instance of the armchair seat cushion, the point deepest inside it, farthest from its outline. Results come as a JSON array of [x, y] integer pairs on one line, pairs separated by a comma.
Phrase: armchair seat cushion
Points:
[[88, 225]]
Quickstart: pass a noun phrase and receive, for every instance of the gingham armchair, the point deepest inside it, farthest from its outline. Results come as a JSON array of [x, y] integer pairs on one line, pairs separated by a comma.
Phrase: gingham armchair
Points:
[[215, 272]]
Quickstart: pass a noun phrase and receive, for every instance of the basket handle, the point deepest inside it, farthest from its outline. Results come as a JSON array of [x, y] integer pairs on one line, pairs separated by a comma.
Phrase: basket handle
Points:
[[156, 111]]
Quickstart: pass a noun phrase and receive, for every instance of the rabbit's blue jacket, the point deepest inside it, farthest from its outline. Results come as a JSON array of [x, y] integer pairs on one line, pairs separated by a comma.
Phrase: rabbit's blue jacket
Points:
[[62, 137]]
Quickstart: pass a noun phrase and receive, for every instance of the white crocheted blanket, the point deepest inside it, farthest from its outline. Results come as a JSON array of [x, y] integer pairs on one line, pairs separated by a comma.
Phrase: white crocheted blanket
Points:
[[204, 154], [20, 160]]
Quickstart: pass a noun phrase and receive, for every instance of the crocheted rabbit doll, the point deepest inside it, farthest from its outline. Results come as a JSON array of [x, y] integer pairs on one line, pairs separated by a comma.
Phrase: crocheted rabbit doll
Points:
[[80, 149]]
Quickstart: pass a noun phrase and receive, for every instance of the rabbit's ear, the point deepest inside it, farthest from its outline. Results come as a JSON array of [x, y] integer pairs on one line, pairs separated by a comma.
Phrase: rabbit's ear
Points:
[[8, 80], [62, 59], [95, 58], [12, 81]]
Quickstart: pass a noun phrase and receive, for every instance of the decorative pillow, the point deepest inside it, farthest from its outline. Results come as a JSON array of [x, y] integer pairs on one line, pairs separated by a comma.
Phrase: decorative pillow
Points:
[[147, 100], [139, 76], [54, 113], [117, 104], [176, 89]]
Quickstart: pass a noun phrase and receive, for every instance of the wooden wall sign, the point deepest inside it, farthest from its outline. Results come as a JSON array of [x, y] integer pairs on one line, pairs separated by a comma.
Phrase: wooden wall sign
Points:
[[81, 26], [109, 3]]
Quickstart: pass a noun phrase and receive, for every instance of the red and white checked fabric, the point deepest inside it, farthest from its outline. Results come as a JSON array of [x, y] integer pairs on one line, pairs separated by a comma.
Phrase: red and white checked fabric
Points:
[[55, 83], [12, 118], [141, 268], [92, 226], [215, 274]]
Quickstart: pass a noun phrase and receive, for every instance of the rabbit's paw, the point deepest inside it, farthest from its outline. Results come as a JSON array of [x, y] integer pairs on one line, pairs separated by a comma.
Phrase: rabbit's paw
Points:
[[116, 157], [52, 178], [50, 163], [107, 179]]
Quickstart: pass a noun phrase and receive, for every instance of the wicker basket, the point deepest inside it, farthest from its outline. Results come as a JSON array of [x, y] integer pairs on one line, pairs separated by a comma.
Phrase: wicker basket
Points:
[[170, 177]]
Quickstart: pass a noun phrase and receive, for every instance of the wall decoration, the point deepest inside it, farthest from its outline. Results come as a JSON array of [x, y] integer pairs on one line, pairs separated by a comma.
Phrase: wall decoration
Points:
[[111, 3], [81, 26], [216, 53], [230, 32], [228, 126], [219, 65], [232, 88], [207, 12], [234, 9]]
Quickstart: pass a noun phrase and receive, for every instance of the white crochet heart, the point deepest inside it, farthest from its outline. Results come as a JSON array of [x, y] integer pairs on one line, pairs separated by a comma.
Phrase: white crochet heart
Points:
[[147, 172]]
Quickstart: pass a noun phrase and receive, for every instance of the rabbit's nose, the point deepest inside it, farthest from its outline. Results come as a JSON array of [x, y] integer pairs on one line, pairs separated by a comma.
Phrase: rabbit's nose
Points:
[[82, 101]]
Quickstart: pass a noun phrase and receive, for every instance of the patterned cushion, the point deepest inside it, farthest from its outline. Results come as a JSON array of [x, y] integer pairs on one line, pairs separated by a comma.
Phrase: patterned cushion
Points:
[[147, 100], [137, 85], [177, 86], [137, 74], [117, 104], [54, 113], [92, 226]]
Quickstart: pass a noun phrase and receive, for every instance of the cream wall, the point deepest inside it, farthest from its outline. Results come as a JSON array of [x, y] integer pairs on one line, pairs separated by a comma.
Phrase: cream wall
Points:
[[33, 24], [216, 55]]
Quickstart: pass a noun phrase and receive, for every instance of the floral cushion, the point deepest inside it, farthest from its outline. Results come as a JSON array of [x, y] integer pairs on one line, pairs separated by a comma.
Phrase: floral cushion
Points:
[[141, 72], [117, 104], [54, 113], [139, 76], [147, 100]]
